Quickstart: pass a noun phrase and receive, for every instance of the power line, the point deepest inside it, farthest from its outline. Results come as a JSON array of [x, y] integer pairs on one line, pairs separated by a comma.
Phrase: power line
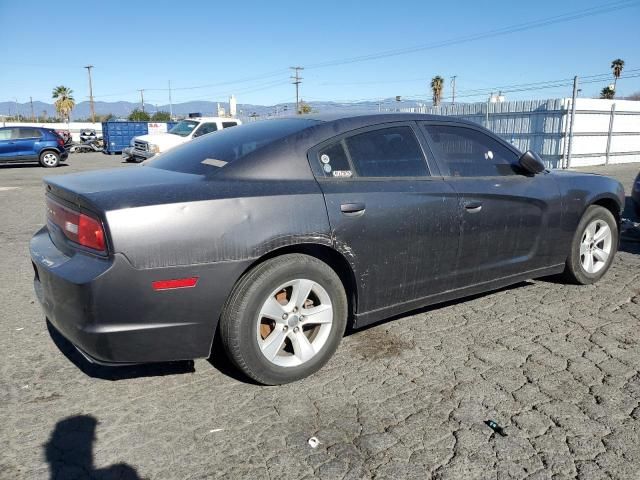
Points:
[[575, 15], [513, 88]]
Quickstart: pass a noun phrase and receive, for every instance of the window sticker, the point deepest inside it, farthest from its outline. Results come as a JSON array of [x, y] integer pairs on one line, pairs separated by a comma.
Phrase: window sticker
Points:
[[327, 168], [488, 155], [324, 158], [342, 173]]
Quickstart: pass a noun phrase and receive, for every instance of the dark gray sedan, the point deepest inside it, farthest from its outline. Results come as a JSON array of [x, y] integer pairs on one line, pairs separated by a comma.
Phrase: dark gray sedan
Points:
[[277, 234]]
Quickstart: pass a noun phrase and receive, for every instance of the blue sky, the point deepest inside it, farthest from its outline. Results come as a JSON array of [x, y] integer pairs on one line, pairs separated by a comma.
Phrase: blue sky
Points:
[[137, 45]]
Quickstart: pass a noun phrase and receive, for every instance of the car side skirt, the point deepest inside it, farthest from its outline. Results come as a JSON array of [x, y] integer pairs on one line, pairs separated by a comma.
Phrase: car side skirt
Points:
[[367, 318]]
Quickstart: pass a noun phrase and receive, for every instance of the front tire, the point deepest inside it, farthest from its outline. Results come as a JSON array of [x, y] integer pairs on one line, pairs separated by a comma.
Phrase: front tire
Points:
[[593, 247], [284, 319], [49, 159]]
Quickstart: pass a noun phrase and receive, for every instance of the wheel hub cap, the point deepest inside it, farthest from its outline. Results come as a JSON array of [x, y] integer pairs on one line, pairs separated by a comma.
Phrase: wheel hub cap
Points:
[[293, 321]]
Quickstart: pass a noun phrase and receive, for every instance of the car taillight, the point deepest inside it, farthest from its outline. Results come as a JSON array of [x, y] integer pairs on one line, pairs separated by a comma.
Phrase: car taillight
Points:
[[60, 142], [77, 227]]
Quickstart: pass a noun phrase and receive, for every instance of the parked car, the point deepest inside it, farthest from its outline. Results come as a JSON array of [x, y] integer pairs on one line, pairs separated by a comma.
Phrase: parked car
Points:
[[32, 144], [66, 136], [144, 147], [88, 135], [635, 194], [278, 233]]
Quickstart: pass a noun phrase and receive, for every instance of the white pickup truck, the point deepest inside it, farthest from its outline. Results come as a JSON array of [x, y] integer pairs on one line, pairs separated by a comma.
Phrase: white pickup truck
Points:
[[146, 146]]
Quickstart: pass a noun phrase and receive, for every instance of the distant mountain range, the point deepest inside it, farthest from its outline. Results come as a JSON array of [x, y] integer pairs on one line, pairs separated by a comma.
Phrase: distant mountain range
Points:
[[122, 109]]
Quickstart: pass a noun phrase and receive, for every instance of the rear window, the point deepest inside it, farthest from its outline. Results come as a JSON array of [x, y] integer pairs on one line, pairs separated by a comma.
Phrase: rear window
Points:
[[209, 153]]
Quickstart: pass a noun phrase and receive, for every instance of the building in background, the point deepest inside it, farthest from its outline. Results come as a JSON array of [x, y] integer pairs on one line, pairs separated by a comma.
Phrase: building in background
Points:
[[232, 106]]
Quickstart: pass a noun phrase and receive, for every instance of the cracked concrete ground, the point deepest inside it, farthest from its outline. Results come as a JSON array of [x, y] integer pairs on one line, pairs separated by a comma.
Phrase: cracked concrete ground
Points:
[[555, 365]]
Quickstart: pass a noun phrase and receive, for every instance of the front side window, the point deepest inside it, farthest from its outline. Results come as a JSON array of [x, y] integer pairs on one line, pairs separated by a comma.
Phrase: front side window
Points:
[[387, 152], [6, 133], [467, 152], [184, 128], [205, 128]]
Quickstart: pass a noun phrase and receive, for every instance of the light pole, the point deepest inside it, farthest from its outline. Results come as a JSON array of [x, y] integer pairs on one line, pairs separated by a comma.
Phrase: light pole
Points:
[[93, 112]]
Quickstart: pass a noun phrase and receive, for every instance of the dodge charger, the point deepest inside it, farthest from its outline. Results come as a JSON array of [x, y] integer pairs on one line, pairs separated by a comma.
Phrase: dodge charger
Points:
[[277, 235]]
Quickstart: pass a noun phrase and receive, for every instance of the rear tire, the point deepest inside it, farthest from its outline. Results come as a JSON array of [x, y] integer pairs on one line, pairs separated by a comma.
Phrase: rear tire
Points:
[[284, 319], [49, 159], [594, 245]]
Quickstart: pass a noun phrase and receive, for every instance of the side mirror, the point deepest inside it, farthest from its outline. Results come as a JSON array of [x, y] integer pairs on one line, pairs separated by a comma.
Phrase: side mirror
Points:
[[531, 162]]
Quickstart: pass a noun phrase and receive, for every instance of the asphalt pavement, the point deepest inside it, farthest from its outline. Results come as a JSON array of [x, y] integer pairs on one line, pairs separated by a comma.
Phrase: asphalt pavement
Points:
[[556, 366]]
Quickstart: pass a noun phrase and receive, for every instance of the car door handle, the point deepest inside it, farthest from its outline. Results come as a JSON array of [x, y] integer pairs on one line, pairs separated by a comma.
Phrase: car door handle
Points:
[[473, 206], [352, 209]]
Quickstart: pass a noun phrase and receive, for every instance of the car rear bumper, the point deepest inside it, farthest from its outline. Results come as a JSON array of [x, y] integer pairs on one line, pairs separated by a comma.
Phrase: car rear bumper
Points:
[[112, 314]]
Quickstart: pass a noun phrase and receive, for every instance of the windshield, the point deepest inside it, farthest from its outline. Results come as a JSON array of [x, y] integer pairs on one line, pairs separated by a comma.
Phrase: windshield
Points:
[[209, 153], [184, 128]]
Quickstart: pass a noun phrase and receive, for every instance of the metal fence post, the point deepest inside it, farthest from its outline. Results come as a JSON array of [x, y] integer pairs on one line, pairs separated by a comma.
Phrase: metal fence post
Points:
[[486, 118], [573, 117], [611, 117]]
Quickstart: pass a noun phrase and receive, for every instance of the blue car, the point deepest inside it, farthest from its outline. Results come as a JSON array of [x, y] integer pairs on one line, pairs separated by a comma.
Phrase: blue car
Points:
[[31, 144]]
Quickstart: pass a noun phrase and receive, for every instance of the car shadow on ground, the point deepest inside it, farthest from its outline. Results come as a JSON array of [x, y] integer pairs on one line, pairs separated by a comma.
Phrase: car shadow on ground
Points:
[[10, 166], [630, 237], [116, 373], [436, 306], [218, 359], [69, 452]]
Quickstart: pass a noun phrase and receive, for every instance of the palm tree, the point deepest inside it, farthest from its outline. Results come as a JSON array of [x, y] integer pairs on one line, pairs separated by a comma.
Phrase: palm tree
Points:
[[607, 92], [437, 84], [617, 65], [64, 101]]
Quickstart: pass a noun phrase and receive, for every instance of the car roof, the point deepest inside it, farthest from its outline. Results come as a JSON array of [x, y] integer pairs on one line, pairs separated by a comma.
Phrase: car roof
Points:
[[25, 126], [212, 119], [368, 118], [276, 160]]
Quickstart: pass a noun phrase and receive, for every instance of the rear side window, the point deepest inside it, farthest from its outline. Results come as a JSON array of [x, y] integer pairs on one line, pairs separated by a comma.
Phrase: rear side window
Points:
[[387, 152], [334, 162], [6, 134], [28, 133], [470, 153], [228, 124], [207, 154]]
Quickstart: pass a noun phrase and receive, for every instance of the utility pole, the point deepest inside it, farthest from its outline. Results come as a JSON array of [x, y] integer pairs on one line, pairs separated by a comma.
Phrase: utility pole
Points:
[[453, 89], [297, 80], [93, 112], [33, 115], [170, 104], [573, 117], [141, 90]]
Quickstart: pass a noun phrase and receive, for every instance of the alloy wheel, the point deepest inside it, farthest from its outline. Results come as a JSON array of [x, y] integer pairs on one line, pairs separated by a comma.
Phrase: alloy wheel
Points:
[[595, 246], [49, 159], [294, 322]]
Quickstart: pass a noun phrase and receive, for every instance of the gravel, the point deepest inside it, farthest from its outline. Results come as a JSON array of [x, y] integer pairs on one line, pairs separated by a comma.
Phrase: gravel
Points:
[[556, 366]]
